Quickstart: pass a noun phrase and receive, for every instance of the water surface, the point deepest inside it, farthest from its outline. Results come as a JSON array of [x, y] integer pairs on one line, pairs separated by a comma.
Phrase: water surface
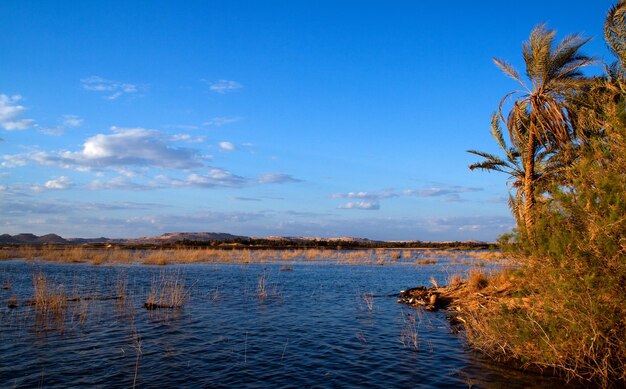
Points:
[[314, 328]]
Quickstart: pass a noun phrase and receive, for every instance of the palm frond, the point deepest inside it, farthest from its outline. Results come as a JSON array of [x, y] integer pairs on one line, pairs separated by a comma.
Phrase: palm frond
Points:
[[508, 69], [615, 31], [496, 131]]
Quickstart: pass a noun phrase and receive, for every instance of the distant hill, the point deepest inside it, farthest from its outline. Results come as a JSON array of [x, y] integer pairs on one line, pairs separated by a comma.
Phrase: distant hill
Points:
[[312, 238], [174, 237], [31, 239], [230, 240], [94, 240]]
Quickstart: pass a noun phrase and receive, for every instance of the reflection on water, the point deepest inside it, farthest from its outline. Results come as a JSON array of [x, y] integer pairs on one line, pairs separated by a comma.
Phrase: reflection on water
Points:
[[318, 325]]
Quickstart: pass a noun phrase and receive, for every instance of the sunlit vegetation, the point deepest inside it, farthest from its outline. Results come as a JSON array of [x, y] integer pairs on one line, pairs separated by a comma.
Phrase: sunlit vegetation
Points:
[[161, 257], [566, 163], [167, 291]]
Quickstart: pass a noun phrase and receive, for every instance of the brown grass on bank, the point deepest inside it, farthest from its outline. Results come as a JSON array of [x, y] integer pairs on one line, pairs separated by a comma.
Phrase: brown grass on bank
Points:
[[161, 257], [541, 320], [427, 261], [536, 318]]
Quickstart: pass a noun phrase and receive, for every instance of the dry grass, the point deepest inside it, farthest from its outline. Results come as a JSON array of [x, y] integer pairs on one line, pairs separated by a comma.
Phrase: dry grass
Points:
[[477, 279], [157, 257], [536, 318], [261, 289], [12, 302], [396, 255], [48, 298], [541, 321], [455, 280], [427, 261], [162, 257], [266, 289], [368, 298], [409, 336], [487, 255], [167, 291]]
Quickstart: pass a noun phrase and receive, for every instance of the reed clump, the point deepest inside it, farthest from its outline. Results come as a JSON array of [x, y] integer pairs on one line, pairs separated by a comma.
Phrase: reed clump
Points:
[[368, 298], [12, 302], [266, 289], [409, 336], [167, 291], [261, 288], [427, 261], [48, 297]]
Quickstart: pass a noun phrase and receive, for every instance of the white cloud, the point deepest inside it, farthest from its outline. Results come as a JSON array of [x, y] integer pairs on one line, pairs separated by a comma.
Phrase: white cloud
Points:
[[185, 127], [439, 191], [224, 86], [187, 138], [227, 146], [133, 146], [72, 121], [450, 194], [10, 110], [372, 196], [66, 121], [118, 183], [123, 149], [276, 178], [54, 131], [62, 182], [367, 205], [59, 183], [454, 198], [221, 121], [216, 177], [113, 89]]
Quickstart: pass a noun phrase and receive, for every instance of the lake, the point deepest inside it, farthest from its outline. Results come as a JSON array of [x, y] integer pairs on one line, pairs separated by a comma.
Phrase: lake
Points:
[[242, 325]]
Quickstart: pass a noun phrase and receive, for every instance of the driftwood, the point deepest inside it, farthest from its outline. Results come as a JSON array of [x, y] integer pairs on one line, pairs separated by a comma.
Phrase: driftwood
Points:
[[429, 298]]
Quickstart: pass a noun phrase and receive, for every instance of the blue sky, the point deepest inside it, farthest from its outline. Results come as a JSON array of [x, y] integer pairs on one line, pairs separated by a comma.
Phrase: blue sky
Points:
[[324, 118]]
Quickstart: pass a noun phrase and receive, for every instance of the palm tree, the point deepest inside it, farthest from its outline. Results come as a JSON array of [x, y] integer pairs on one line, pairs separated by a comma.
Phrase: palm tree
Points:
[[510, 165], [615, 31], [547, 165], [553, 73]]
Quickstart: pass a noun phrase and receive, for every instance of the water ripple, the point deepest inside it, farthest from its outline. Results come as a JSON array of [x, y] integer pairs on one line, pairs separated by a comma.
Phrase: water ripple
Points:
[[312, 330]]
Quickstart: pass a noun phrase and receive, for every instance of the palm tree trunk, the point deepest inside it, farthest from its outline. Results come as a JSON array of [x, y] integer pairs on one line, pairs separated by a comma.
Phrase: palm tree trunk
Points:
[[529, 184]]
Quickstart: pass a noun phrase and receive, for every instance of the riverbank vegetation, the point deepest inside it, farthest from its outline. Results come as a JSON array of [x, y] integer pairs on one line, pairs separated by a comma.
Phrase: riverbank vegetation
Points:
[[564, 309], [165, 256]]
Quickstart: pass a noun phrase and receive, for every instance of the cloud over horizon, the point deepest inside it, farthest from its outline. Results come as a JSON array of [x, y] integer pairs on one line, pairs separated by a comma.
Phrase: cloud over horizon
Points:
[[370, 200], [367, 205]]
